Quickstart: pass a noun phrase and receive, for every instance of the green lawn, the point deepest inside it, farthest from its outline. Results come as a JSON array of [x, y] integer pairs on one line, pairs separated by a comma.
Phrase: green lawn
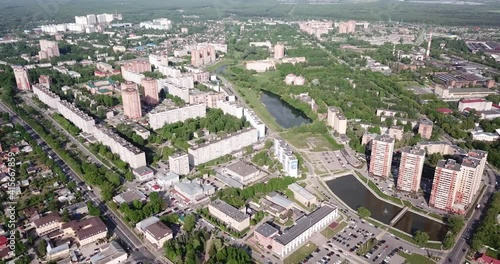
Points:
[[416, 259], [411, 240], [329, 232], [252, 98], [300, 254], [319, 142]]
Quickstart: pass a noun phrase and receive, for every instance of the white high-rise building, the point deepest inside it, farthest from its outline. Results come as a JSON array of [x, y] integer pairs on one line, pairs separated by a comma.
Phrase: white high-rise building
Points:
[[91, 19], [179, 163], [381, 155], [410, 169], [286, 157], [81, 20]]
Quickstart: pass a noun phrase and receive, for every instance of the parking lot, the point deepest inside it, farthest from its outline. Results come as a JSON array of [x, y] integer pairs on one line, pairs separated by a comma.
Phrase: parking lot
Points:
[[331, 160]]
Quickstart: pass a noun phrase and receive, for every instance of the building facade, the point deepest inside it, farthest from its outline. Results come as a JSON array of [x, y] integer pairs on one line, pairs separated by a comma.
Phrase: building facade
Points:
[[232, 217], [425, 128], [179, 163], [131, 103], [279, 51], [214, 149], [22, 80], [381, 155], [46, 96], [286, 157], [151, 91], [337, 120], [410, 169], [48, 49], [168, 113], [76, 116]]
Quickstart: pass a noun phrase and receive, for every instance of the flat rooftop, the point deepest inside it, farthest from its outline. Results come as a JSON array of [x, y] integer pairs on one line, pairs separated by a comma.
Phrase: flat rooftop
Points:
[[300, 190], [229, 210], [242, 168], [266, 230], [303, 224]]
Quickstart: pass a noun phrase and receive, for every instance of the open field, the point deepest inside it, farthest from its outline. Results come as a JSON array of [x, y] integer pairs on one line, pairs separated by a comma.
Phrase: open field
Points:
[[300, 254], [416, 259]]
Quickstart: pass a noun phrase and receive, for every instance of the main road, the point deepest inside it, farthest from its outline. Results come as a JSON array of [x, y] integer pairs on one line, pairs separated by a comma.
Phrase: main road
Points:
[[139, 252], [458, 253]]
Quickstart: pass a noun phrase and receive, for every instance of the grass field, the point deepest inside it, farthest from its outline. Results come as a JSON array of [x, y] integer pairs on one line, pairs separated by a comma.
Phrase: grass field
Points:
[[329, 232], [411, 240], [416, 259], [317, 142], [252, 98], [301, 253]]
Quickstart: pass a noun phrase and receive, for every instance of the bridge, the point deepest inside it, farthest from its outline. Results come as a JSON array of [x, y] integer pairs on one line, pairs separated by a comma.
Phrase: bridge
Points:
[[399, 215]]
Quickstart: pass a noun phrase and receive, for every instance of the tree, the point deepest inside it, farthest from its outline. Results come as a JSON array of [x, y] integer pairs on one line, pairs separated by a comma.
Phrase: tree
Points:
[[448, 241], [421, 238], [65, 216], [93, 210], [189, 222], [41, 249], [363, 212], [456, 223]]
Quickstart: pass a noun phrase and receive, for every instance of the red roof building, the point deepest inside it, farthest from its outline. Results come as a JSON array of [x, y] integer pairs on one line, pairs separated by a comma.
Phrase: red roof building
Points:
[[483, 259], [445, 110], [3, 241]]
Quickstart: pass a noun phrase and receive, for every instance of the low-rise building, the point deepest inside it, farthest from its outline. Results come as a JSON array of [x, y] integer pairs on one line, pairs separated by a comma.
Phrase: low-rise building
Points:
[[264, 235], [167, 179], [302, 195], [143, 173], [129, 196], [47, 224], [232, 217], [158, 233], [76, 209], [193, 191], [280, 200], [305, 227], [141, 226], [86, 231], [242, 172], [111, 253]]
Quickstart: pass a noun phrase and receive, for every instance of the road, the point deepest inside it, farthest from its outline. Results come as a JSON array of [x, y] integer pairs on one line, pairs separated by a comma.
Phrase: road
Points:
[[458, 253], [73, 140], [138, 251]]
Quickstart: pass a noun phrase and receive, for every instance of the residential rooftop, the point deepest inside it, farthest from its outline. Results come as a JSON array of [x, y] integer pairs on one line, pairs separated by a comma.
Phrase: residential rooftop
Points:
[[229, 210]]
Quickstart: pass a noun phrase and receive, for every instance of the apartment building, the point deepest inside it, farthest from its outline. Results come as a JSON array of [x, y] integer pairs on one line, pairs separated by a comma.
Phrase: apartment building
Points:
[[337, 120], [255, 122], [131, 76], [22, 80], [86, 231], [76, 116], [217, 148], [286, 157], [182, 81], [232, 217], [48, 49], [136, 66], [46, 96], [444, 186], [209, 99], [175, 90], [131, 101], [230, 108], [381, 155], [151, 91], [168, 112], [425, 128], [203, 55], [410, 169], [47, 224], [279, 51], [179, 163], [305, 227], [127, 152]]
